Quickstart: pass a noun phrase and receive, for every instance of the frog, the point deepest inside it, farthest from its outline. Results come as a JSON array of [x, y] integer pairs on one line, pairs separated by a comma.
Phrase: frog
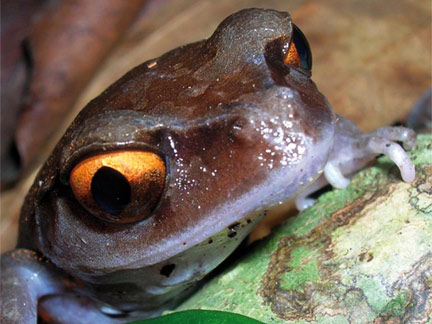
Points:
[[161, 177]]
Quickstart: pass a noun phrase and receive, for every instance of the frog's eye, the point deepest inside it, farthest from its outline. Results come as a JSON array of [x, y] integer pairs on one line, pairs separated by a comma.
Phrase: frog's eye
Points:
[[299, 53], [120, 187]]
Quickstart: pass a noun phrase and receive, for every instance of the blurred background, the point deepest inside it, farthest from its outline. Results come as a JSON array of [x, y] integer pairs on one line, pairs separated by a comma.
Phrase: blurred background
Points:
[[371, 59]]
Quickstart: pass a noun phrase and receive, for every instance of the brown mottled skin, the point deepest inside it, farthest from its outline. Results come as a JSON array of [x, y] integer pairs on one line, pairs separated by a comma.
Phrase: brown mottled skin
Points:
[[239, 132]]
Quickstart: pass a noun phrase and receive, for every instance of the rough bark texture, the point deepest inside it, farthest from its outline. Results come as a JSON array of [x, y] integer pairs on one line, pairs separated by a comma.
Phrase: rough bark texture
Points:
[[359, 255]]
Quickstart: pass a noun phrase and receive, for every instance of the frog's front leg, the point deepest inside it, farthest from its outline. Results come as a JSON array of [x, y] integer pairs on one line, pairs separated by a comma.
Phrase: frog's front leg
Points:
[[25, 277], [79, 309], [353, 150], [30, 282]]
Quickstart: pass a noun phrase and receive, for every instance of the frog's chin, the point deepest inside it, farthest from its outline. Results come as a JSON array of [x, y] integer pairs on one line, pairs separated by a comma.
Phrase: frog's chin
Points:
[[210, 250], [157, 284]]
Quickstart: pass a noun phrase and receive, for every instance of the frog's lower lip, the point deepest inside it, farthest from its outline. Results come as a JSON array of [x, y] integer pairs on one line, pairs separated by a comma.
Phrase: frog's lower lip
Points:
[[220, 249]]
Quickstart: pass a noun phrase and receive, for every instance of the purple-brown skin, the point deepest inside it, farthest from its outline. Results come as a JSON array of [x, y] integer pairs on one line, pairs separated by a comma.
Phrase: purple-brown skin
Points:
[[239, 131]]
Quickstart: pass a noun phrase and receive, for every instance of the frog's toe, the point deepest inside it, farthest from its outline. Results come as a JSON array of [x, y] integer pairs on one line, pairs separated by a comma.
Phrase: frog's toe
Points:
[[396, 153], [64, 309], [397, 134], [302, 202], [334, 175]]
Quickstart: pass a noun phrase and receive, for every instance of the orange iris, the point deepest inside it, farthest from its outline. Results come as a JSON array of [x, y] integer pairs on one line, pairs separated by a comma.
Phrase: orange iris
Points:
[[121, 186]]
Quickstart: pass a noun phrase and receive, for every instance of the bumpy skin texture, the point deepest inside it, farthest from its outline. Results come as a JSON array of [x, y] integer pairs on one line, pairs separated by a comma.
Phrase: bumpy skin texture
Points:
[[239, 131]]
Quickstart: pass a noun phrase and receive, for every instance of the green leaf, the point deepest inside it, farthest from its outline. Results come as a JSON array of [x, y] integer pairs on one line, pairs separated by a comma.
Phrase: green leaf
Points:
[[200, 317]]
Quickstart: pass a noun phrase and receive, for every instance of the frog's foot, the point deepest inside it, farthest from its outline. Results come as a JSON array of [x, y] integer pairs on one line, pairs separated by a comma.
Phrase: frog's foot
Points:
[[303, 201], [354, 150]]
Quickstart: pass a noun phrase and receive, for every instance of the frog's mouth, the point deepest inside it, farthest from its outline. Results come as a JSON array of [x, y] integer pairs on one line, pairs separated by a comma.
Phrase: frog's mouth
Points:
[[197, 261]]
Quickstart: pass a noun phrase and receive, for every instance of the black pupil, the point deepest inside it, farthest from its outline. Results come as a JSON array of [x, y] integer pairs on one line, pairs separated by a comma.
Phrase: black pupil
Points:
[[303, 48], [111, 190]]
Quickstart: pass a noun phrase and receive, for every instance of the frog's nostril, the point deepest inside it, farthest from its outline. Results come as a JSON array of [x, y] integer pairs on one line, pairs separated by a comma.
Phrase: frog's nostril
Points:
[[111, 190]]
